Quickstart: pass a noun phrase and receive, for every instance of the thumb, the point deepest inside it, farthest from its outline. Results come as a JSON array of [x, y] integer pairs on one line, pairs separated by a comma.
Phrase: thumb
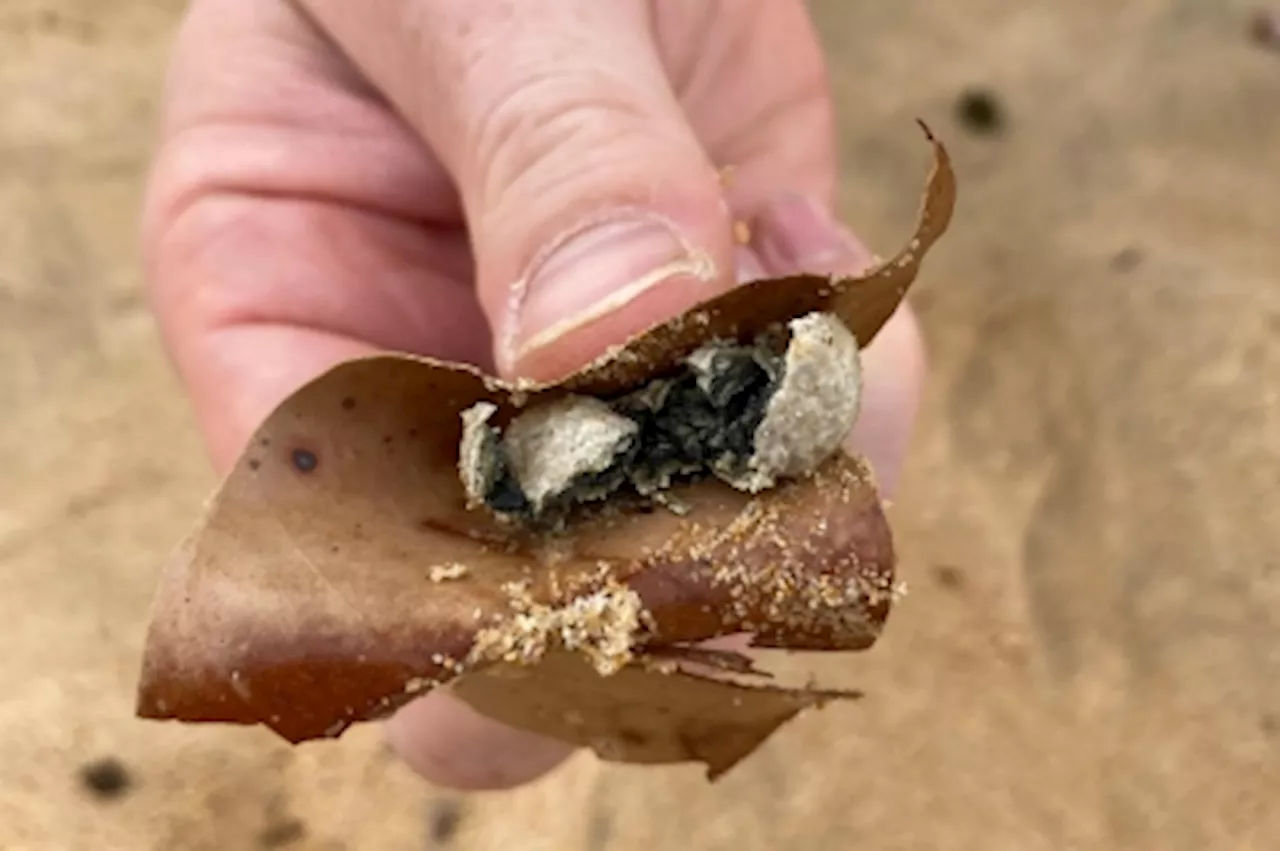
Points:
[[593, 210], [619, 269]]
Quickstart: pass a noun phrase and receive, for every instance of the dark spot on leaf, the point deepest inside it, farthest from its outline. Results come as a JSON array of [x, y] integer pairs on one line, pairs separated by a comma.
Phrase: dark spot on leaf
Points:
[[949, 576], [334, 548], [1270, 723], [304, 460], [632, 737], [254, 463], [979, 111], [348, 403], [443, 820], [388, 439], [413, 432], [106, 778], [1127, 259], [282, 832]]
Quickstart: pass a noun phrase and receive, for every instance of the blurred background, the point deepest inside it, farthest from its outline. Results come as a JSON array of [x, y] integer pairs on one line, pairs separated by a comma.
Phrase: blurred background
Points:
[[1090, 653]]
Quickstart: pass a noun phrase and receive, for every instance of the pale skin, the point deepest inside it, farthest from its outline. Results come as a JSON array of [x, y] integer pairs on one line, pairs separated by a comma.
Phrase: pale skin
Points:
[[477, 182]]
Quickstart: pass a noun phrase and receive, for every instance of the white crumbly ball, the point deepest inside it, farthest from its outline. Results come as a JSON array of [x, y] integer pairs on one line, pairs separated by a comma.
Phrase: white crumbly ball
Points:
[[474, 467], [551, 445], [815, 406]]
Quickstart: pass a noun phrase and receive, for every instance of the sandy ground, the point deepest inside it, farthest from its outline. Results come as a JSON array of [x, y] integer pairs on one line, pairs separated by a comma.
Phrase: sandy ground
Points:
[[1090, 655]]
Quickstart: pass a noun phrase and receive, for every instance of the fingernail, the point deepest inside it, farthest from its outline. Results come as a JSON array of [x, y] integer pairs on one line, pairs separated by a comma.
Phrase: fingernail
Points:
[[594, 273], [799, 234]]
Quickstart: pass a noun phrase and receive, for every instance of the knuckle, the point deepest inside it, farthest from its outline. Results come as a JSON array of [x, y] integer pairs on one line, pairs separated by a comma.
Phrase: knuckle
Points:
[[549, 128], [192, 226]]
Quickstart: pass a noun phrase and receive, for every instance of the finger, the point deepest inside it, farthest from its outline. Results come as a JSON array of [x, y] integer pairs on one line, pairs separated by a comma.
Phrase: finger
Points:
[[894, 369], [593, 209], [754, 81], [288, 117], [273, 247], [257, 296], [799, 234], [448, 743], [283, 234]]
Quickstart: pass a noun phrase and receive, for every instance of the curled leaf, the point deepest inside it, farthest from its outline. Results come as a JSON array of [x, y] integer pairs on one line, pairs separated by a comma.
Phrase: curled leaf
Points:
[[344, 567]]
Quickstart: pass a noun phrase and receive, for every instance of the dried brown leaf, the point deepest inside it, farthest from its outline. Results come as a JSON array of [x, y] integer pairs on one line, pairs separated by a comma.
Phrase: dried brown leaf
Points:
[[647, 715], [338, 571]]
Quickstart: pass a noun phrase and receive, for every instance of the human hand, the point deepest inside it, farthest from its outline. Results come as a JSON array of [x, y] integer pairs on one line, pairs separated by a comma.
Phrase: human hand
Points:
[[511, 186]]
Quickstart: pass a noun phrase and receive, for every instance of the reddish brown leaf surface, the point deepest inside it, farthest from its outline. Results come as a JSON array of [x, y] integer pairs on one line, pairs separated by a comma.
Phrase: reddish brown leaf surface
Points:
[[338, 573]]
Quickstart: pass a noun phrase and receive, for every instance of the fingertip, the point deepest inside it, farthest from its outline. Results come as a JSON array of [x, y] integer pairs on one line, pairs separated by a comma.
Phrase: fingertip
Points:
[[799, 234], [449, 744]]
